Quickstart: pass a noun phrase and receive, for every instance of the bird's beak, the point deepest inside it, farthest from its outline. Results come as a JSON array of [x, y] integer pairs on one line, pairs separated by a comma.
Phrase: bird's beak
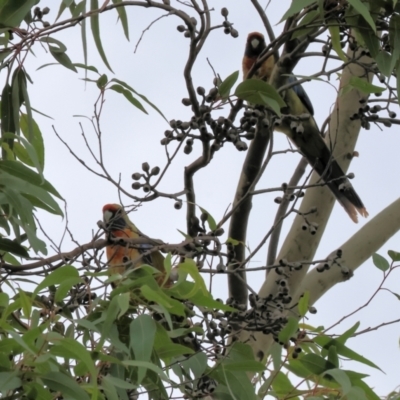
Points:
[[114, 221], [107, 215], [254, 43]]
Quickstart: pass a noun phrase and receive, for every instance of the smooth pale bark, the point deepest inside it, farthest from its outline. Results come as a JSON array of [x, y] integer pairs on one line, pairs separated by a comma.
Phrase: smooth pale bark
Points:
[[300, 245], [368, 240]]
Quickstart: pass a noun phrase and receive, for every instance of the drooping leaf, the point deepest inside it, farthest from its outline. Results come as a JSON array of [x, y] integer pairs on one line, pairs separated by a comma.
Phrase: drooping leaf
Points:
[[336, 44], [128, 95], [95, 26], [56, 277], [394, 255], [224, 88], [10, 246], [123, 18], [210, 220], [303, 303], [361, 8], [12, 12], [59, 382], [289, 329], [256, 91], [295, 7], [143, 97], [19, 170], [36, 139], [380, 262]]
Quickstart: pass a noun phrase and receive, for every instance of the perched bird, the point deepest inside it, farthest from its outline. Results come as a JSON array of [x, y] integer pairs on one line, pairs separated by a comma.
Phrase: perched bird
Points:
[[123, 256], [306, 136]]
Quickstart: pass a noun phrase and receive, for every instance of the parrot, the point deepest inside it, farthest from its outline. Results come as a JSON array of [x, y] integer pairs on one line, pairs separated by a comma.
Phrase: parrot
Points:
[[309, 142], [118, 225]]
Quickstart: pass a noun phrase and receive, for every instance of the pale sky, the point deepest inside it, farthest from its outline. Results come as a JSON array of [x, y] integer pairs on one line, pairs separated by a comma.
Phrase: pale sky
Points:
[[131, 137]]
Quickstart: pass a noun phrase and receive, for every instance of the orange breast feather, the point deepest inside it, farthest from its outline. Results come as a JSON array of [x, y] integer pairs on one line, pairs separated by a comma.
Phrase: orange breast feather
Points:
[[118, 256]]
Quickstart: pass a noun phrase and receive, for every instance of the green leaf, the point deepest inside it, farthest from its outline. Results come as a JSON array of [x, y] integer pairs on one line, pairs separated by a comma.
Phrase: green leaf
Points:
[[364, 86], [316, 364], [64, 60], [347, 334], [341, 378], [56, 277], [304, 303], [4, 299], [25, 96], [87, 67], [69, 348], [384, 61], [128, 96], [65, 287], [59, 46], [224, 88], [169, 350], [335, 36], [19, 170], [7, 115], [10, 246], [189, 267], [79, 9], [343, 350], [365, 35], [12, 12], [58, 382], [380, 262], [124, 19], [26, 303], [9, 381], [16, 98], [95, 26], [356, 393], [125, 85], [257, 91], [332, 356], [159, 297], [30, 152], [250, 366], [197, 364], [289, 330], [102, 81], [394, 255], [31, 131], [142, 332], [395, 294], [23, 187], [360, 7], [295, 7], [123, 303], [59, 52], [276, 354], [281, 384], [238, 384], [311, 18], [210, 220], [148, 365]]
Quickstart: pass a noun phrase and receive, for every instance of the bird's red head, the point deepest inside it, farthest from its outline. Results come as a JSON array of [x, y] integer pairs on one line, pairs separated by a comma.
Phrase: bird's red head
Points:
[[255, 45]]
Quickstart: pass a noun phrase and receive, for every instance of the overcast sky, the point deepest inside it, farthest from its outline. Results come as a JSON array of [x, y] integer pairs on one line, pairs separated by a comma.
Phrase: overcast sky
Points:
[[131, 137]]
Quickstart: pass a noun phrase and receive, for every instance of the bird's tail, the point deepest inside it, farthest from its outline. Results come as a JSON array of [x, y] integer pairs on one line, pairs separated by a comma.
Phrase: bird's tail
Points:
[[343, 190]]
